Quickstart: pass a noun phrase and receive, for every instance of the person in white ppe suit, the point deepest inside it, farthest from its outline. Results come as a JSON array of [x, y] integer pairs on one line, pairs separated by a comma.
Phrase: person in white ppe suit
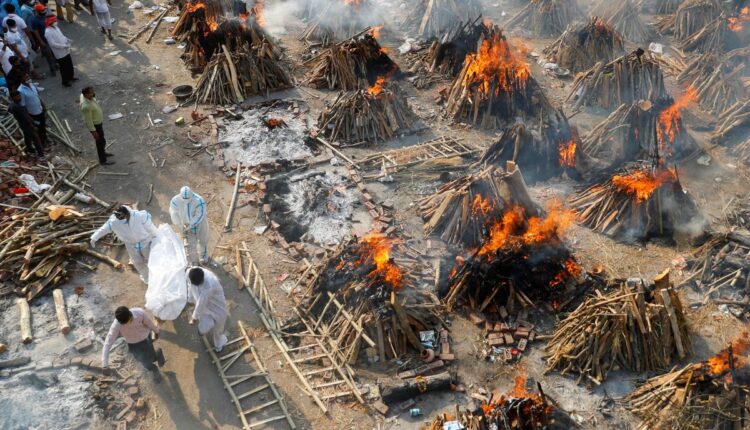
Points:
[[188, 212], [135, 230], [210, 306]]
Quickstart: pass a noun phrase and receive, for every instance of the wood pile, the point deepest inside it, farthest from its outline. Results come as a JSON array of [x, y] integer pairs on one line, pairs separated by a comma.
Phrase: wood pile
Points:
[[639, 201], [340, 20], [432, 18], [581, 46], [371, 278], [41, 241], [541, 155], [495, 86], [717, 85], [742, 151], [14, 164], [635, 131], [634, 327], [733, 121], [625, 20], [461, 211], [444, 57], [628, 79], [708, 394], [664, 7], [689, 18], [523, 263], [518, 409], [546, 18], [349, 65], [376, 114], [231, 77], [712, 37]]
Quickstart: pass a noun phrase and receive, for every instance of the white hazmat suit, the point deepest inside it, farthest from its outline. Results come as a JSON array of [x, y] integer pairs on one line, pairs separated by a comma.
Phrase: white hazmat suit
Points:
[[135, 233], [188, 213], [210, 308]]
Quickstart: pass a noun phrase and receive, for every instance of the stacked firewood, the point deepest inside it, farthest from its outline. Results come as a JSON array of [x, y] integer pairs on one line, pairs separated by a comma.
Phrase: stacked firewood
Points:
[[541, 154], [462, 210], [628, 79], [712, 37], [495, 86], [432, 18], [689, 18], [717, 87], [546, 18], [583, 45], [624, 18], [339, 20], [40, 241], [376, 114], [731, 121], [709, 394], [639, 201], [445, 56], [634, 131], [742, 151], [230, 77], [351, 64], [664, 7], [631, 328]]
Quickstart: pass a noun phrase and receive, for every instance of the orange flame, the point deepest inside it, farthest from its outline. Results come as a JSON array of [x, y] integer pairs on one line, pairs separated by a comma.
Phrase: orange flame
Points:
[[375, 32], [736, 23], [511, 230], [669, 120], [496, 62], [519, 386], [719, 363], [480, 205], [212, 23], [567, 151], [641, 184], [192, 7], [258, 12], [571, 271], [378, 87], [379, 248]]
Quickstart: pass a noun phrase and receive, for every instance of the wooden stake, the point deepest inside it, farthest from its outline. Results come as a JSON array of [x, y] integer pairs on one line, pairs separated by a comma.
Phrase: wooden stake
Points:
[[24, 320], [62, 316]]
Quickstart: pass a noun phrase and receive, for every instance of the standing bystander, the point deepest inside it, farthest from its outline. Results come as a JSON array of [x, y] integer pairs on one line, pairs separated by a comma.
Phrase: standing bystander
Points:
[[60, 46], [93, 117]]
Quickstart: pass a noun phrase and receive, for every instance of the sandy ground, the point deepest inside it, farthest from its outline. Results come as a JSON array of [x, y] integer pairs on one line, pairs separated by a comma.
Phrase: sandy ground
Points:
[[135, 80]]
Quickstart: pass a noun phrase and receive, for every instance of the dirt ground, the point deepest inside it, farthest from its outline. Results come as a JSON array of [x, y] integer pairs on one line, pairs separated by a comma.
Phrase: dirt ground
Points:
[[136, 80]]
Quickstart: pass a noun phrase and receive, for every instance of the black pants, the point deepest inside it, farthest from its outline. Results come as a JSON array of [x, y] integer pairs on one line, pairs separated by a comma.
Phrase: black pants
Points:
[[41, 126], [144, 352], [50, 57], [101, 143], [32, 141], [66, 69]]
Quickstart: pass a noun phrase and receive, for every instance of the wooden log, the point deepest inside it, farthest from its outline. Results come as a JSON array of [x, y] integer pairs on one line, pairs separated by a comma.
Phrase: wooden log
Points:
[[24, 320], [413, 387], [233, 203], [62, 315], [3, 347]]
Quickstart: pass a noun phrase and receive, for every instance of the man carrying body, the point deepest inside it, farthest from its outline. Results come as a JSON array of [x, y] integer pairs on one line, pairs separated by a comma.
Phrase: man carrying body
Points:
[[135, 230], [136, 327], [188, 212], [210, 306]]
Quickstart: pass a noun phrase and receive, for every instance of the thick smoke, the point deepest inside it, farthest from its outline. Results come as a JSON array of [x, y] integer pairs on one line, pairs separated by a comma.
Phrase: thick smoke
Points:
[[360, 14]]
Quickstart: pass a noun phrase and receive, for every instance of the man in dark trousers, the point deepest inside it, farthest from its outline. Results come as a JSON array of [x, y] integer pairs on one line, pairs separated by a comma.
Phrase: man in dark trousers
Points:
[[135, 326], [26, 124], [34, 105], [93, 118]]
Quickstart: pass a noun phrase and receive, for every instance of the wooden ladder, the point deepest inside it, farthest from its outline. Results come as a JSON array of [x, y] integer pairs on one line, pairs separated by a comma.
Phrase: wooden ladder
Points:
[[250, 387]]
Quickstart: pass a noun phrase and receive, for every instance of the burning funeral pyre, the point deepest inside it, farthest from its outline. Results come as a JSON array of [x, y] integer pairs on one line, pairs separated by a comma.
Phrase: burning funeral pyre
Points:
[[495, 86], [634, 327], [708, 395], [628, 79], [375, 114], [523, 260], [624, 18], [462, 210], [432, 18], [641, 200], [341, 19], [581, 46], [444, 56], [721, 267], [546, 18], [540, 154], [518, 409], [363, 275], [716, 81], [644, 130], [352, 64]]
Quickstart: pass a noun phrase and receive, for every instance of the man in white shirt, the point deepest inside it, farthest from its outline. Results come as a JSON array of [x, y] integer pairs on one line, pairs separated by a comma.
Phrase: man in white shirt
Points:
[[5, 53], [14, 39], [60, 46], [101, 9], [136, 327]]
